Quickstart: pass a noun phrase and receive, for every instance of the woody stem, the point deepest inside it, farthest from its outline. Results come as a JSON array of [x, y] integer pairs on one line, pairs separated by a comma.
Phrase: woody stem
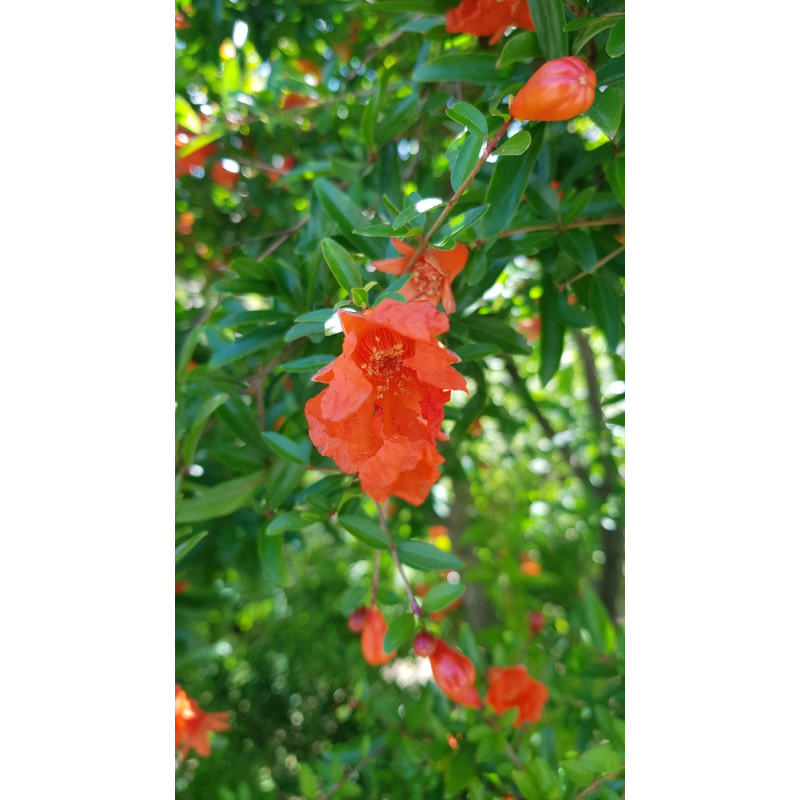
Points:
[[393, 550], [457, 196], [375, 576]]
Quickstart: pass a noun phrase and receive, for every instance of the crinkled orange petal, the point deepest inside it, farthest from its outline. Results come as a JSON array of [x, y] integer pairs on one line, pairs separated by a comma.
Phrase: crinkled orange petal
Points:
[[403, 247], [391, 266], [350, 389], [398, 469], [419, 321], [410, 290], [448, 300], [431, 363], [453, 261], [414, 486]]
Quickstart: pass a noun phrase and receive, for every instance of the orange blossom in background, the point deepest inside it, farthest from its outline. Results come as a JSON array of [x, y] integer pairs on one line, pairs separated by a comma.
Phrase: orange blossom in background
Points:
[[560, 89], [372, 635], [432, 276], [193, 725], [488, 17], [512, 687]]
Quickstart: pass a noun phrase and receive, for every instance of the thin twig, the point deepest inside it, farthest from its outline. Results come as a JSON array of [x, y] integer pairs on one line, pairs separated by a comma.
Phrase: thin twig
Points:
[[602, 779], [376, 574], [356, 769], [278, 242], [457, 196], [416, 610], [272, 234], [601, 263]]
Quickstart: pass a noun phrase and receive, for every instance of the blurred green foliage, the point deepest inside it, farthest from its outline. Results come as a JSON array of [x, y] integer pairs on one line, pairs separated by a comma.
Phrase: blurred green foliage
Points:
[[332, 119]]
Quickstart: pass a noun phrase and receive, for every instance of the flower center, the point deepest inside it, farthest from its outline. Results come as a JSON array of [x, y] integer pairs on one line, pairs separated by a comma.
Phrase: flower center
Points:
[[381, 356], [428, 276]]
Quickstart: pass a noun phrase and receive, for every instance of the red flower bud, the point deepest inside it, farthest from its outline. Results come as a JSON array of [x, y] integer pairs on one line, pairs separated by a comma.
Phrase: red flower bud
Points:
[[372, 634], [561, 89], [424, 644], [455, 675], [357, 619], [536, 622]]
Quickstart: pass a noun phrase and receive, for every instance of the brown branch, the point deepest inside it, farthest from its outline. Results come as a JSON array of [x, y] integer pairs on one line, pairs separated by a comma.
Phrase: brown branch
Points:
[[278, 242], [457, 196], [271, 235], [595, 784], [557, 226], [601, 263], [416, 610]]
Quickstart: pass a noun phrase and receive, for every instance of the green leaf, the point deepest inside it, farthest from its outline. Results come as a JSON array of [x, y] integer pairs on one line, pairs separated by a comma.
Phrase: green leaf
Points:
[[390, 296], [290, 521], [612, 71], [346, 214], [304, 329], [200, 141], [231, 76], [400, 629], [469, 116], [467, 157], [405, 216], [244, 286], [201, 416], [381, 230], [508, 184], [251, 269], [270, 550], [548, 18], [341, 264], [308, 782], [615, 46], [476, 266], [366, 530], [285, 447], [520, 47], [320, 315], [424, 556], [477, 351], [576, 206], [495, 329], [247, 345], [467, 67], [589, 31], [308, 364], [615, 172], [516, 145], [606, 111], [601, 759], [241, 419], [370, 117], [220, 500], [459, 772], [551, 343], [188, 544], [578, 773], [242, 319], [598, 623], [441, 595], [461, 221], [579, 247], [525, 784], [569, 315], [186, 116], [604, 302], [360, 297]]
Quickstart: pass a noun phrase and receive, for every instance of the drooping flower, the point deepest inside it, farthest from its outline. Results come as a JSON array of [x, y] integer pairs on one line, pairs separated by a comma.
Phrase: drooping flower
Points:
[[454, 673], [488, 17], [193, 725], [384, 404], [560, 89], [513, 687], [372, 635], [432, 276]]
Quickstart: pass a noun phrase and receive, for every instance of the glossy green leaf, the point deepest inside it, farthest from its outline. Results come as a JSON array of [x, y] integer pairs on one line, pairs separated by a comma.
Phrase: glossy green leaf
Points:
[[442, 595], [199, 419], [466, 67], [606, 111], [476, 266], [551, 341], [346, 214], [612, 71], [304, 329], [495, 329], [407, 215], [604, 302], [576, 206], [183, 548], [220, 500], [598, 623], [381, 230], [576, 772], [579, 247], [601, 759], [569, 315], [516, 145], [231, 76], [615, 46], [400, 630], [186, 116], [200, 141], [360, 297], [615, 172], [469, 116], [548, 18], [366, 530], [341, 264], [588, 32], [308, 364], [525, 784], [508, 184], [290, 521], [308, 782], [262, 316], [369, 117], [245, 286], [424, 556], [286, 448], [467, 157], [270, 551], [520, 47], [241, 419], [247, 345], [461, 221], [476, 351]]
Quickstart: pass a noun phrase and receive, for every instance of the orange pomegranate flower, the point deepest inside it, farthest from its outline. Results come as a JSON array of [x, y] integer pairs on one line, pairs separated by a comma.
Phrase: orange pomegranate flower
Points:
[[432, 275], [193, 725], [560, 89], [488, 17], [454, 673], [372, 635], [512, 687], [384, 404]]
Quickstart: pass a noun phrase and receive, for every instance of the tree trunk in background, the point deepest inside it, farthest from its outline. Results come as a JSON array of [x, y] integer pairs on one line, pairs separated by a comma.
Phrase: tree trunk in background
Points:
[[479, 611], [611, 579]]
